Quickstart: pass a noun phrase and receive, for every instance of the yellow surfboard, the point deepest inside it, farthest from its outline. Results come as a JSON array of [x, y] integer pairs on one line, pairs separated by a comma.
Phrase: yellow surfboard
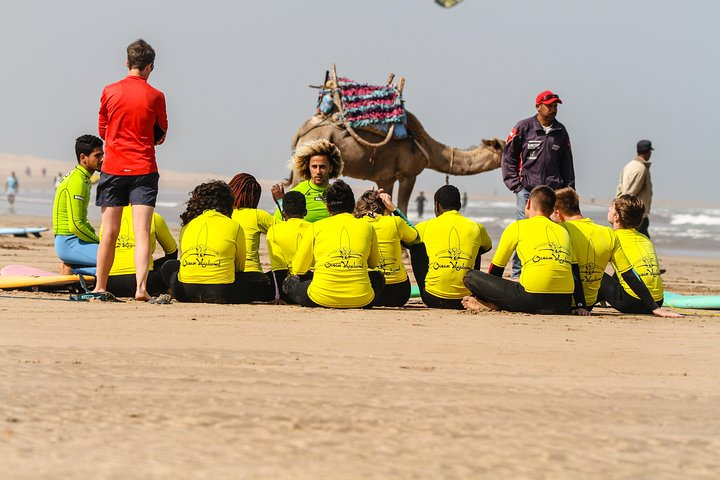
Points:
[[9, 282]]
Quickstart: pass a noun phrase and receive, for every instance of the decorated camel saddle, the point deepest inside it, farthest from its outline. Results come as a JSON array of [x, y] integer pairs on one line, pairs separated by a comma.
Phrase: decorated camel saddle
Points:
[[360, 106]]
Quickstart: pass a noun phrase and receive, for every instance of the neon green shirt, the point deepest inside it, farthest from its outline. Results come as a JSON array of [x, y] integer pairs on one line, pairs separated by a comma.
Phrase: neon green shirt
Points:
[[316, 209], [124, 262], [390, 232], [253, 222], [452, 243], [70, 208], [641, 254], [283, 240], [545, 251], [343, 247], [595, 245], [212, 249]]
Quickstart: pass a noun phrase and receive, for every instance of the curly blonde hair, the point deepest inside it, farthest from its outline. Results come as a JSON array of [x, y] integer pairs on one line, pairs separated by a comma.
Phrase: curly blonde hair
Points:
[[300, 161]]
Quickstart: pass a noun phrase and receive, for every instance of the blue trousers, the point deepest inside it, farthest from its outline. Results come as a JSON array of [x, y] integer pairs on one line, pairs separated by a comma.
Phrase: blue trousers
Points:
[[79, 254]]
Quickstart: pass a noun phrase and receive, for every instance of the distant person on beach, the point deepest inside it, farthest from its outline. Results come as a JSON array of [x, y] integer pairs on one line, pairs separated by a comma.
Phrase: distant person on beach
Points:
[[392, 229], [132, 120], [343, 249], [58, 178], [625, 213], [635, 180], [11, 188], [254, 222], [547, 282], [316, 162], [464, 201], [537, 152], [595, 246], [122, 281], [420, 202], [76, 242], [212, 246], [283, 239], [451, 246]]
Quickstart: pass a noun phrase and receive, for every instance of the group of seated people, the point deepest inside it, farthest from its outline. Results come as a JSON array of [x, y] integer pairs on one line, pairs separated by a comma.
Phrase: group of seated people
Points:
[[328, 250]]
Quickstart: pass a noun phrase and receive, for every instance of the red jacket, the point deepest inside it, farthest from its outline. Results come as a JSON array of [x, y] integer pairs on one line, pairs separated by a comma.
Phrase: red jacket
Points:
[[131, 112]]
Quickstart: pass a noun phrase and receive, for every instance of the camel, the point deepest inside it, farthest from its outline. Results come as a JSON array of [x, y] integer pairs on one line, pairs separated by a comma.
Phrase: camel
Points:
[[393, 159]]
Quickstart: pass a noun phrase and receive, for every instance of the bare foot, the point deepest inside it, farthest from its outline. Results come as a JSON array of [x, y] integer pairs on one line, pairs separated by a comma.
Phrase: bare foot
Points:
[[142, 296], [474, 305], [65, 269]]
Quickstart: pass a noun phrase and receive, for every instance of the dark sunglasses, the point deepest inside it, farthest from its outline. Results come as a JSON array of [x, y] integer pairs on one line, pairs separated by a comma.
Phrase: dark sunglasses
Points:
[[549, 97]]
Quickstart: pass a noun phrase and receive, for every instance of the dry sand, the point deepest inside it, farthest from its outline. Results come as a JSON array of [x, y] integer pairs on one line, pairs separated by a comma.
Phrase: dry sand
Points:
[[132, 390]]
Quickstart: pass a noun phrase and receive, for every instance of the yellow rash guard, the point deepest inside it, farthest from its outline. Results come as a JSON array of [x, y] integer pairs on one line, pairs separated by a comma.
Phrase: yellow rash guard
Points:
[[124, 262], [595, 245], [545, 251], [212, 249], [453, 243], [253, 222], [283, 240], [390, 232], [640, 252], [343, 247]]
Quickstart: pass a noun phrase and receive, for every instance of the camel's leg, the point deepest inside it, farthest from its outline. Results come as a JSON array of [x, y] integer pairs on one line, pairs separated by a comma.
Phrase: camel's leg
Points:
[[386, 185], [404, 191]]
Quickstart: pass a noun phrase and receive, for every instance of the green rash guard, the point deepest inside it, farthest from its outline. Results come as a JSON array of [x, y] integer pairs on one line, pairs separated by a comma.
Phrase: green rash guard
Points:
[[71, 205], [316, 209]]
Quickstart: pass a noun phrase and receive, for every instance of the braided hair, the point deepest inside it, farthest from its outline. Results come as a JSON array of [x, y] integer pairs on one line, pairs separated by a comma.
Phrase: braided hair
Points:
[[246, 191]]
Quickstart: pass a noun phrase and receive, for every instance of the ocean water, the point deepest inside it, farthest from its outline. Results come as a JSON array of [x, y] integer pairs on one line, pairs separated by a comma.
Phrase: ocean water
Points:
[[674, 231]]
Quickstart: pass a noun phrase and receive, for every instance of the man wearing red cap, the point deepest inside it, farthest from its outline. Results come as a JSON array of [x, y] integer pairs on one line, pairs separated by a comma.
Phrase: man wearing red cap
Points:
[[537, 152]]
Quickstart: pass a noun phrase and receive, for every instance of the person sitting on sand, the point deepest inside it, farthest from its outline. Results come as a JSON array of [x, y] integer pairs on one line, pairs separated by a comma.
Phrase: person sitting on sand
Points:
[[376, 207], [254, 222], [452, 245], [316, 162], [595, 246], [626, 212], [547, 280], [212, 248], [283, 239], [76, 242], [122, 281], [343, 248]]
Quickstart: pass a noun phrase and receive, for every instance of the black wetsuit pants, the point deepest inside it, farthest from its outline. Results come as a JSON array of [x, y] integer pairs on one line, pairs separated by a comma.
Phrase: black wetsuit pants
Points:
[[511, 296]]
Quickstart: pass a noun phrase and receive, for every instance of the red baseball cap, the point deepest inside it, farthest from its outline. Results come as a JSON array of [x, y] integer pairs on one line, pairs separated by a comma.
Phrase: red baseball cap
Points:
[[547, 97]]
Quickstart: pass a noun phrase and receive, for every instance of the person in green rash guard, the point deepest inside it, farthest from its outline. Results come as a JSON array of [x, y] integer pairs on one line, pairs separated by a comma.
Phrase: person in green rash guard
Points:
[[315, 162], [76, 242]]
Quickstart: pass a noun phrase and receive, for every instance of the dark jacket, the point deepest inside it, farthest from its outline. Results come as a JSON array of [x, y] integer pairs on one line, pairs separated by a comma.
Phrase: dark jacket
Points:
[[532, 157]]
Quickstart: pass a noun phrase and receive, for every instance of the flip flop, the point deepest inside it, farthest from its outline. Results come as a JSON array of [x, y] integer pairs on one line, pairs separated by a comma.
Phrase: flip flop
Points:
[[163, 299]]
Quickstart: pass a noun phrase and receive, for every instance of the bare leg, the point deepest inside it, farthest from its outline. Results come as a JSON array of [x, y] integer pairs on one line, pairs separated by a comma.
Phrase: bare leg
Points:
[[106, 250], [472, 304], [142, 218]]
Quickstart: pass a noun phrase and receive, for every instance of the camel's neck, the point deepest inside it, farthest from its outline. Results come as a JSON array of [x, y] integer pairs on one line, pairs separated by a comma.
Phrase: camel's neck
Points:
[[454, 161]]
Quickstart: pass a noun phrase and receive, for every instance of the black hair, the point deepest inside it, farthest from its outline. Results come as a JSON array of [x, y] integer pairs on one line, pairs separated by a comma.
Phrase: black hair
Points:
[[448, 197], [339, 198], [294, 205], [85, 144], [214, 195]]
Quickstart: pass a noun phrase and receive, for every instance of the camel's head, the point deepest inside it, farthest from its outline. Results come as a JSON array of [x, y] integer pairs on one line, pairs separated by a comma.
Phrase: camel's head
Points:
[[495, 144]]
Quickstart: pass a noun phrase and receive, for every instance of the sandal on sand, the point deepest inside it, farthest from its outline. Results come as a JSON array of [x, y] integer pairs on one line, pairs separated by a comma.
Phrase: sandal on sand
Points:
[[94, 296], [163, 299]]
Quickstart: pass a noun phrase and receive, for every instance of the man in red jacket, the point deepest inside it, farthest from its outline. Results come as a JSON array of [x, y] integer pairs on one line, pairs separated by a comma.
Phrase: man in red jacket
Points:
[[132, 120]]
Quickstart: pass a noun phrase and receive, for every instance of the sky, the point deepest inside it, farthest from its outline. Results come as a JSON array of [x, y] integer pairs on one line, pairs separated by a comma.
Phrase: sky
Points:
[[236, 75]]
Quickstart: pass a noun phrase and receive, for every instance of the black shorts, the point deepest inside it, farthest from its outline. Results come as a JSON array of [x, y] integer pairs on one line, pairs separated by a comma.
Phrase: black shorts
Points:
[[119, 191]]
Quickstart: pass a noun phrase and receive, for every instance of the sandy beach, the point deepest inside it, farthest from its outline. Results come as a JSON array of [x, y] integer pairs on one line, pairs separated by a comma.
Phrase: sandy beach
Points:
[[132, 390]]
